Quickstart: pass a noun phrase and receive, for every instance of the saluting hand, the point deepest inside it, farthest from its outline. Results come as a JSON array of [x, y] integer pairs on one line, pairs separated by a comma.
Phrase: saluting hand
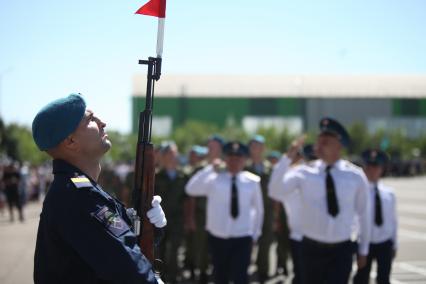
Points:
[[216, 163], [156, 214], [295, 147]]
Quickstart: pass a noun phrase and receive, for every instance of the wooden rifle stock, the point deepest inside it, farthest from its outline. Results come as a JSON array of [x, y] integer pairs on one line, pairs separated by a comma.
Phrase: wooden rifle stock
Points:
[[145, 165], [146, 178]]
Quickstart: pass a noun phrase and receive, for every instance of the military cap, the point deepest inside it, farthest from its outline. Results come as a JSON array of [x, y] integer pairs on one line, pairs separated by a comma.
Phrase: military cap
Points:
[[330, 126], [54, 122], [235, 148], [199, 150], [308, 152], [217, 138], [374, 157], [257, 138]]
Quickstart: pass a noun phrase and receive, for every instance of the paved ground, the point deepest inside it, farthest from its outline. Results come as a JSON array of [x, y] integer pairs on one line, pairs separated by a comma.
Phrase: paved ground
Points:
[[17, 240]]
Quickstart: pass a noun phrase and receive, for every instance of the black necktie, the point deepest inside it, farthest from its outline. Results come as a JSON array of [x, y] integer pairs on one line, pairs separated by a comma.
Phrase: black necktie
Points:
[[378, 217], [234, 199], [332, 206]]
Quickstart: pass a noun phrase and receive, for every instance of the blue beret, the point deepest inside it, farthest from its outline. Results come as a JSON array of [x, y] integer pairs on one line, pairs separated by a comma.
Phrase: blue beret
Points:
[[257, 138], [217, 138], [374, 157], [274, 154], [199, 150], [235, 148], [54, 122], [165, 146], [330, 126]]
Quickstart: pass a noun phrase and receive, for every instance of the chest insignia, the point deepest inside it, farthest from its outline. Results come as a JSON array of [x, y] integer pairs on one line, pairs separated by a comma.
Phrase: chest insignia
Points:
[[112, 221]]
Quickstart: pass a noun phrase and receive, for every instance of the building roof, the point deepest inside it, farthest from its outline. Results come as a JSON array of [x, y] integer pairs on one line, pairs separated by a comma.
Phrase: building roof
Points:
[[308, 86]]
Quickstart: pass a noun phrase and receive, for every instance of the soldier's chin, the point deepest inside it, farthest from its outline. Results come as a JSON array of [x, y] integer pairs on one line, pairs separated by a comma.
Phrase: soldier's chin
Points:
[[107, 145]]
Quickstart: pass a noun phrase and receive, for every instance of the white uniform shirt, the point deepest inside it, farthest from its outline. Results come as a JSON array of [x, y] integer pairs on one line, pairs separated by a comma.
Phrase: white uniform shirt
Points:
[[216, 186], [352, 196], [292, 202], [388, 230]]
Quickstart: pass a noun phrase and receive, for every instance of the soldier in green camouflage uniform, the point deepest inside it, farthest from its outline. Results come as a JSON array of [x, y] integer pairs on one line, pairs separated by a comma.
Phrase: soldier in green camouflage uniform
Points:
[[202, 260], [193, 239], [170, 185], [261, 167]]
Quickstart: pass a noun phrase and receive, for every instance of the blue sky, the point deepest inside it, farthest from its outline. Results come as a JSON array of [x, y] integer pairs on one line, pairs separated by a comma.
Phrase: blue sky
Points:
[[49, 49]]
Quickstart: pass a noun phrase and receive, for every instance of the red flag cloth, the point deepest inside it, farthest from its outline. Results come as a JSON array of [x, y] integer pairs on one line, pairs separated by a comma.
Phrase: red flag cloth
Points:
[[156, 8]]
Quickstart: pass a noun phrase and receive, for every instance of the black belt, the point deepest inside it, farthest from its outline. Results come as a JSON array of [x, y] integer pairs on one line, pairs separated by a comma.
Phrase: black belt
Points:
[[324, 245]]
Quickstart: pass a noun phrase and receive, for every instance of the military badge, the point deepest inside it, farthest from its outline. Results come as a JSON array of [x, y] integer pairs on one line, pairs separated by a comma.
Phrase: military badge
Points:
[[112, 221]]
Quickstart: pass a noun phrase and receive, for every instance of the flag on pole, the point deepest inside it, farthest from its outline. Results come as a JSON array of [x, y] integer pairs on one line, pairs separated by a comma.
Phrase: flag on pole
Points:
[[156, 8]]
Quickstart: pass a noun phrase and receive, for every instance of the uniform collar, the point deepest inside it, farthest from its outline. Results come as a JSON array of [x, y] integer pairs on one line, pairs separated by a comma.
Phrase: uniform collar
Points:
[[63, 167], [228, 174], [337, 165], [372, 184]]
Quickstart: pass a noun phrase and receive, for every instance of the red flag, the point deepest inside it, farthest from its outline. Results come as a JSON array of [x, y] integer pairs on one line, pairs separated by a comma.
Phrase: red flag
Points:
[[156, 8]]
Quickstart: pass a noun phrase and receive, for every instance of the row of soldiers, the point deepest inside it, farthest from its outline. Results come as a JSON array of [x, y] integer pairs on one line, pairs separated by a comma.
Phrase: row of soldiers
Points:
[[186, 214], [307, 207], [86, 235]]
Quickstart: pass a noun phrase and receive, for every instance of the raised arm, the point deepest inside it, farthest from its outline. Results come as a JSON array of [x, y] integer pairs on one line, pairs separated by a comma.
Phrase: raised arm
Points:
[[199, 184]]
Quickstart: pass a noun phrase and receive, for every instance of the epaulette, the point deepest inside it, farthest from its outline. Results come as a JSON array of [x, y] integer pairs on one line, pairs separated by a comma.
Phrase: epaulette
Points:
[[352, 166], [251, 176], [81, 182]]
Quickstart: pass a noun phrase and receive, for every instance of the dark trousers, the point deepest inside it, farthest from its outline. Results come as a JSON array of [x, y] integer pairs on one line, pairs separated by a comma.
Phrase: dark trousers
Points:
[[327, 263], [231, 258], [296, 256], [383, 254]]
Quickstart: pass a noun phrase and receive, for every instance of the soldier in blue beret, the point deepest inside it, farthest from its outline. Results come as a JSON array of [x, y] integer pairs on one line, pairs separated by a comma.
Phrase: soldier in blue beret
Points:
[[258, 165], [383, 243], [84, 234], [273, 157], [214, 144]]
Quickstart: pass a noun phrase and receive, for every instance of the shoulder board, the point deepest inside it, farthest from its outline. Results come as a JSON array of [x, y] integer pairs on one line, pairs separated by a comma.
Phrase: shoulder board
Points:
[[351, 165], [81, 182], [251, 176]]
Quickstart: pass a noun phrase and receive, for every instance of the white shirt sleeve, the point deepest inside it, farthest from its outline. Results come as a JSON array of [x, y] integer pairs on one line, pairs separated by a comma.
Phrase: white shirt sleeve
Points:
[[257, 204], [198, 184], [363, 209], [275, 185], [395, 225]]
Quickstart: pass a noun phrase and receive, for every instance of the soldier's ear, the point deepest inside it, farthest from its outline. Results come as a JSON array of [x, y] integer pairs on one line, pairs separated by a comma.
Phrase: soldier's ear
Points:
[[69, 143]]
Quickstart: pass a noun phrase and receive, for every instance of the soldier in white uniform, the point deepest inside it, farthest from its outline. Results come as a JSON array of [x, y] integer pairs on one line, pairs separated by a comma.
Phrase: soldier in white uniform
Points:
[[383, 243], [333, 192], [234, 213]]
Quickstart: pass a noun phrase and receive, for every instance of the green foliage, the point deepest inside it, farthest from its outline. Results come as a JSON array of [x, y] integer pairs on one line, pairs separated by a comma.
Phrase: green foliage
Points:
[[190, 133], [17, 143]]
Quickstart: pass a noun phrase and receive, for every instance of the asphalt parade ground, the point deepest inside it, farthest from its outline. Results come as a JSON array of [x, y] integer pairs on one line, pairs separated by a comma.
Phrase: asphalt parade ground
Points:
[[17, 240]]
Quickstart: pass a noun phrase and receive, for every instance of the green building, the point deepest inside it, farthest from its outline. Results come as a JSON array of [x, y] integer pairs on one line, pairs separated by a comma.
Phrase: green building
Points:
[[293, 102]]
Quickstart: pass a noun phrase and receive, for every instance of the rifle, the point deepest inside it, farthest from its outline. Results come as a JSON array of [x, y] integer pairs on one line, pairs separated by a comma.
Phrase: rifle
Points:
[[148, 237]]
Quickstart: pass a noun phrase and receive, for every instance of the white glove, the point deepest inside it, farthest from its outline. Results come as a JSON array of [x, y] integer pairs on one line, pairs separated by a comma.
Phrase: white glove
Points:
[[159, 281], [156, 214]]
